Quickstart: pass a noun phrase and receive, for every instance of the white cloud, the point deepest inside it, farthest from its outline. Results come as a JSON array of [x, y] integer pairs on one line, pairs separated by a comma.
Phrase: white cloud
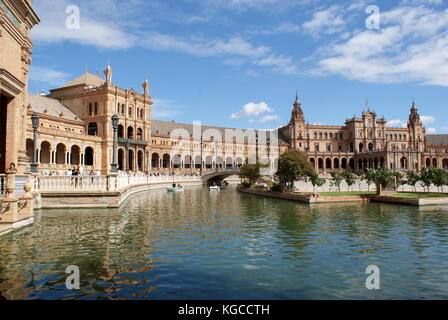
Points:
[[328, 21], [113, 24], [203, 47], [93, 30], [428, 119], [280, 64], [431, 130], [253, 73], [48, 76], [436, 2], [412, 45], [252, 109], [269, 118], [265, 119], [404, 123], [397, 123], [164, 108], [283, 28]]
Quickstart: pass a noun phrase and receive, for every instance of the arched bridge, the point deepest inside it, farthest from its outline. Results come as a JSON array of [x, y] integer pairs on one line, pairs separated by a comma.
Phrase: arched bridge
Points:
[[218, 175]]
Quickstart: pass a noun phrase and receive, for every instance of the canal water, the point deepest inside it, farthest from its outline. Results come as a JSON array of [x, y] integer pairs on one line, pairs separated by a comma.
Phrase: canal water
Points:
[[225, 245]]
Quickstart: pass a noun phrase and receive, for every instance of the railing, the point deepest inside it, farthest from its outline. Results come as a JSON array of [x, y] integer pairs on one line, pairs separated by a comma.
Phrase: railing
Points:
[[102, 183], [20, 182], [218, 170], [2, 184]]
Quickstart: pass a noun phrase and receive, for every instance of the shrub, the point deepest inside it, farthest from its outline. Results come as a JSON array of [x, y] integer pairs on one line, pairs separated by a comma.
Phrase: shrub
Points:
[[261, 187], [277, 187], [245, 185]]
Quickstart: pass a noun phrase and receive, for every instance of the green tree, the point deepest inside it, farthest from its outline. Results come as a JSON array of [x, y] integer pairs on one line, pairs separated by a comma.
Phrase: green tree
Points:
[[412, 178], [349, 178], [439, 178], [426, 177], [398, 177], [250, 172], [293, 165], [382, 177], [360, 177], [315, 180], [337, 179], [370, 176]]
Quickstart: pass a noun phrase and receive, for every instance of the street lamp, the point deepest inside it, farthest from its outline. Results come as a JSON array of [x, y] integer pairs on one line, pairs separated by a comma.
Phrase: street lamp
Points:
[[35, 123], [200, 169], [256, 146], [127, 146], [115, 120]]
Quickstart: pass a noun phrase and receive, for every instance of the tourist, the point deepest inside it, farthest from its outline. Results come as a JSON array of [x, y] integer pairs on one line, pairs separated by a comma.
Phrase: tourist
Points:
[[81, 170]]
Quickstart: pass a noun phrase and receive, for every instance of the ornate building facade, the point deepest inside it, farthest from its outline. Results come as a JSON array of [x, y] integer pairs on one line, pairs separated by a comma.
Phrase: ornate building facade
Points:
[[17, 18], [366, 142]]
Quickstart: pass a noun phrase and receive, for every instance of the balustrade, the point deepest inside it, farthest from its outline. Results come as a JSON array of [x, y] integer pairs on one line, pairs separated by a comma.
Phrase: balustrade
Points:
[[101, 183]]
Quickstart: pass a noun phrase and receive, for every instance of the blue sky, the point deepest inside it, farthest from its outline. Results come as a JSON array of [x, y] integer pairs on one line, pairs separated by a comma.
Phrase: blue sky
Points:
[[238, 63]]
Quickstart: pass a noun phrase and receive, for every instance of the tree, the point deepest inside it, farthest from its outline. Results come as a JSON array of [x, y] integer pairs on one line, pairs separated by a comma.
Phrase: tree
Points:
[[382, 177], [360, 176], [398, 180], [439, 178], [293, 165], [250, 172], [349, 178], [426, 177], [337, 179], [412, 178], [315, 180], [370, 176]]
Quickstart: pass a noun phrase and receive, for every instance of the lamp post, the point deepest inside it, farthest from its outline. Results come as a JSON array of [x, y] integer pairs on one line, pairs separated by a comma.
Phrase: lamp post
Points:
[[115, 120], [200, 169], [35, 123], [127, 146], [256, 148]]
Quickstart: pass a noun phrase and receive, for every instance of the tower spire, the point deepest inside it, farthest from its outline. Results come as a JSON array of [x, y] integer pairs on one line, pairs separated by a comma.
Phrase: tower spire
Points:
[[145, 86], [108, 73]]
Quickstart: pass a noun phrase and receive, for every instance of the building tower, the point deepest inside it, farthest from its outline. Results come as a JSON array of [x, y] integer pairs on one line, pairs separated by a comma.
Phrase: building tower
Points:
[[417, 133], [145, 87], [297, 125], [108, 74]]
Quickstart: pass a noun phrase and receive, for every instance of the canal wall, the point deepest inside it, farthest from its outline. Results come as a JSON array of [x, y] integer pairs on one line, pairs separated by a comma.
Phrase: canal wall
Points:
[[412, 202], [315, 198], [98, 199], [306, 198]]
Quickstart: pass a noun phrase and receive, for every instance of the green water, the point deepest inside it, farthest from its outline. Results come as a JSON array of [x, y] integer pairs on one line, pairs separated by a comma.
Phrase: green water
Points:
[[225, 245]]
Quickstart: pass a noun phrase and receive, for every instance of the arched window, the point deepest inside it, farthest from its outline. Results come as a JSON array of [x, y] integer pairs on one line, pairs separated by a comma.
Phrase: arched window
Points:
[[120, 131], [130, 132], [92, 129], [88, 156], [45, 152], [60, 153], [139, 134]]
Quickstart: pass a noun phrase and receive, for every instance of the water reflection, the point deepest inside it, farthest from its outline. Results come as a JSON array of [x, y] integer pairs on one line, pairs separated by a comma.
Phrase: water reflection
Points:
[[203, 245]]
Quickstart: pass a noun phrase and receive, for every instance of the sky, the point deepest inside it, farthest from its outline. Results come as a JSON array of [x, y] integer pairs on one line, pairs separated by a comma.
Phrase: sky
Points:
[[239, 63]]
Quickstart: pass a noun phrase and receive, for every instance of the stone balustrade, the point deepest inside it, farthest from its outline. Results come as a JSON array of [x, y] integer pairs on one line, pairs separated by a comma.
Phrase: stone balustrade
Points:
[[102, 183]]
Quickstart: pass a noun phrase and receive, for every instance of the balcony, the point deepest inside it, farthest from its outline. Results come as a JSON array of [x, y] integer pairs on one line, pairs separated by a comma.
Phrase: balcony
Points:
[[132, 141]]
